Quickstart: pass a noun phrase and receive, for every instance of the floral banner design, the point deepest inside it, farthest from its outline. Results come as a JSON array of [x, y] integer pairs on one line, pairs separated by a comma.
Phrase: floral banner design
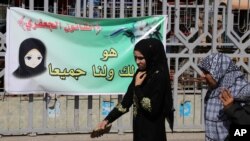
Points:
[[51, 53]]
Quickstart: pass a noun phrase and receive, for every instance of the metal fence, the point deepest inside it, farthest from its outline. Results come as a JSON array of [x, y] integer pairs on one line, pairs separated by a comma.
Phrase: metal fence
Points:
[[195, 29]]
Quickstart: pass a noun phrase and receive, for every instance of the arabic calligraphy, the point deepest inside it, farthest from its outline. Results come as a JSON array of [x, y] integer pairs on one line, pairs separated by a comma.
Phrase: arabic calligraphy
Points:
[[31, 25], [66, 73], [97, 70], [39, 24], [112, 53], [103, 72], [127, 71], [78, 27]]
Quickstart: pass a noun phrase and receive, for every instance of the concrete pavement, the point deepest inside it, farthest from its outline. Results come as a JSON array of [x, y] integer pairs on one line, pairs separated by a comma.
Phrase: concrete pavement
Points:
[[108, 137]]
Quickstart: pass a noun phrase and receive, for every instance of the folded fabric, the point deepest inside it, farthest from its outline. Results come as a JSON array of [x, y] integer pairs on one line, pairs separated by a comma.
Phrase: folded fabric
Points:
[[99, 132]]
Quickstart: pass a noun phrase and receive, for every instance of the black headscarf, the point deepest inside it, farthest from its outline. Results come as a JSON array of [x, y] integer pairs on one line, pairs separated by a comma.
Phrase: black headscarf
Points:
[[24, 71], [153, 51]]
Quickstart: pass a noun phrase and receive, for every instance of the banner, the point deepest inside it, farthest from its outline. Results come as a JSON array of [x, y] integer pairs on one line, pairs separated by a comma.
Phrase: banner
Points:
[[70, 55]]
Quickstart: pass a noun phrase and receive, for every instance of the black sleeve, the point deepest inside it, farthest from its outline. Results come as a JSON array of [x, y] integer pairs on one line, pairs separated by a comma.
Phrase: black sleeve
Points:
[[238, 114], [123, 107], [151, 94]]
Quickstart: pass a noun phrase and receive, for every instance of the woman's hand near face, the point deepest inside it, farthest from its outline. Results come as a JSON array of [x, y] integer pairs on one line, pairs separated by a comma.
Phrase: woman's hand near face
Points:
[[226, 98], [141, 75]]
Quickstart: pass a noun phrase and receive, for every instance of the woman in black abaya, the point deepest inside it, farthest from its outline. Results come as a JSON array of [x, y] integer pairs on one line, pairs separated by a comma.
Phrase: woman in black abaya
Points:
[[149, 93]]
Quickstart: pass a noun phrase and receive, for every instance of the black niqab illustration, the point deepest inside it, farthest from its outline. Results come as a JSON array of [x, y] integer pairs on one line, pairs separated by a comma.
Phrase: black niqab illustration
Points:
[[24, 71]]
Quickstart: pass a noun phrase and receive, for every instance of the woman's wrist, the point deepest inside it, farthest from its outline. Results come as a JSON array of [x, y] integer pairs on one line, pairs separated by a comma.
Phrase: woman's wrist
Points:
[[137, 85], [228, 105], [106, 121]]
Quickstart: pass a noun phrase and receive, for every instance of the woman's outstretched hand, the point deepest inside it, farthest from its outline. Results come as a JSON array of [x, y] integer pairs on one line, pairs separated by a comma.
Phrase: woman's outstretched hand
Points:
[[102, 128], [102, 124]]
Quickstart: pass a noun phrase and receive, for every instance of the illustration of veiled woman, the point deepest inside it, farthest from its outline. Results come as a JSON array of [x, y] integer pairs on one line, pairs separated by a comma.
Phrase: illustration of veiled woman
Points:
[[32, 54]]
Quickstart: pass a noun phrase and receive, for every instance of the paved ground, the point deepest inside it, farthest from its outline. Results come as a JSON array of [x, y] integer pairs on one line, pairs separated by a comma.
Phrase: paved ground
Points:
[[107, 137]]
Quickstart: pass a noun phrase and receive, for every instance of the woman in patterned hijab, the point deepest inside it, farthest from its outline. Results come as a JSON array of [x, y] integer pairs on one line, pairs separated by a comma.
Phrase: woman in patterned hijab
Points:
[[221, 73]]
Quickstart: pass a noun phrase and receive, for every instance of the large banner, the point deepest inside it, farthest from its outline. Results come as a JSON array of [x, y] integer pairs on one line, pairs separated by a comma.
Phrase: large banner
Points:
[[69, 55]]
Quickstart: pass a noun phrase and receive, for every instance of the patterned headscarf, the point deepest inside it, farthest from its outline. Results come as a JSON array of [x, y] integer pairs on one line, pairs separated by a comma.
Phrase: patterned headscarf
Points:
[[229, 76], [226, 74]]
